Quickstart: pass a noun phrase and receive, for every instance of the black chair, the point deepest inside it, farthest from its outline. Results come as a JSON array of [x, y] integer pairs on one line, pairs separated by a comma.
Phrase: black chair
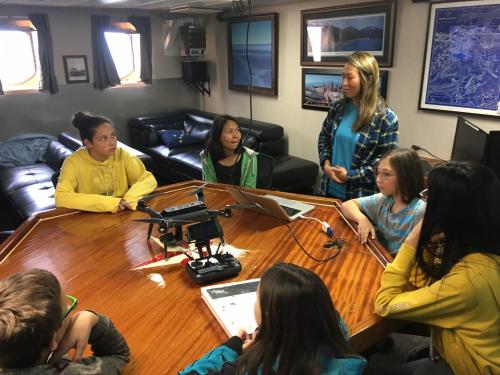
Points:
[[265, 168]]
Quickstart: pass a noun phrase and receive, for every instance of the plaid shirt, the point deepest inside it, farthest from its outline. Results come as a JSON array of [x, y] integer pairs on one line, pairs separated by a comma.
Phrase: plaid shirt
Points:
[[379, 137]]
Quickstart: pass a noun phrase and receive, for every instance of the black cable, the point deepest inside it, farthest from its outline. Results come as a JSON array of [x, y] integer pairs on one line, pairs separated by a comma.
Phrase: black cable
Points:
[[250, 92], [416, 148]]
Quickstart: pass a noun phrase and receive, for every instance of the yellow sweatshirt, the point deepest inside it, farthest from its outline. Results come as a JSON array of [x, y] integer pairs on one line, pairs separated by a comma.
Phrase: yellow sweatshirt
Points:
[[462, 308], [89, 185]]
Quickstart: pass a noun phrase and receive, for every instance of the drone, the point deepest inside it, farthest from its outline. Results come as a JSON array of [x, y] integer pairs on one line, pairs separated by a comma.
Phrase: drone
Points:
[[203, 226]]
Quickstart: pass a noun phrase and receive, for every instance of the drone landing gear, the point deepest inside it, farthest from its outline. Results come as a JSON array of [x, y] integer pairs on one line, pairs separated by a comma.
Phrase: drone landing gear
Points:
[[212, 268]]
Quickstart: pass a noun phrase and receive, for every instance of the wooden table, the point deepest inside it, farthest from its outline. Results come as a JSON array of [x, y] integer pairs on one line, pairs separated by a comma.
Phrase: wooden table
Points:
[[160, 312]]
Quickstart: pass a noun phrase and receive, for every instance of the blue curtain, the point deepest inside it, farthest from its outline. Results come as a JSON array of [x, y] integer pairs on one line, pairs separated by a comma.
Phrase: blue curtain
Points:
[[105, 74], [143, 26], [45, 52]]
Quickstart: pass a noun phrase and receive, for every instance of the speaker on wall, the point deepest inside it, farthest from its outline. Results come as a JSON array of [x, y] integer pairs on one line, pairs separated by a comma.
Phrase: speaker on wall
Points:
[[194, 71]]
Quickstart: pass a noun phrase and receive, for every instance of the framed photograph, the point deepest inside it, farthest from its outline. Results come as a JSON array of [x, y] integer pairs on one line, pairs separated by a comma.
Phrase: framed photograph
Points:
[[461, 66], [323, 87], [262, 53], [328, 35], [76, 69]]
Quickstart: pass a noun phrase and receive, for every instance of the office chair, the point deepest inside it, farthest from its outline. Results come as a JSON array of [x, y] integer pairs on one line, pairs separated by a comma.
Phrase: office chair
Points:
[[265, 168]]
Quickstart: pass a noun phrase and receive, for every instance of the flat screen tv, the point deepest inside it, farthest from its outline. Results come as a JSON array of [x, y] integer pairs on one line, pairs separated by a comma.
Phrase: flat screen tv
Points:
[[470, 142]]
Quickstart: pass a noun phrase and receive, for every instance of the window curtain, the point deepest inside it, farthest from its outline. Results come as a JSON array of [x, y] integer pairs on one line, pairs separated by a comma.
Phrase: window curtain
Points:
[[105, 74], [143, 26], [45, 52], [1, 88]]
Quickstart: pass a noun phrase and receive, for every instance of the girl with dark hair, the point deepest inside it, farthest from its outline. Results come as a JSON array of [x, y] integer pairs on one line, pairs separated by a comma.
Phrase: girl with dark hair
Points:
[[225, 159], [100, 177], [357, 131], [300, 332], [391, 214], [456, 249]]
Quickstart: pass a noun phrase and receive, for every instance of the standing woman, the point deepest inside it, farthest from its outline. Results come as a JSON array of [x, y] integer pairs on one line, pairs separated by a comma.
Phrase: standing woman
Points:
[[457, 248], [100, 177], [225, 159], [357, 131]]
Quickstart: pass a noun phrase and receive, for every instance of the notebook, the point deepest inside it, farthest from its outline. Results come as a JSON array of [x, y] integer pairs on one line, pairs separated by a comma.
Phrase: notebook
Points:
[[232, 304], [272, 205]]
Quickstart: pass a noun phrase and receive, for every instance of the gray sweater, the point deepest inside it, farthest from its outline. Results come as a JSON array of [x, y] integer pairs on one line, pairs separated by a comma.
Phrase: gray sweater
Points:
[[110, 355]]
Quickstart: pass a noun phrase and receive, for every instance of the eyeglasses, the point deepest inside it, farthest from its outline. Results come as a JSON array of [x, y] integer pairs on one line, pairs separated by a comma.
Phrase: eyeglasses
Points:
[[232, 131], [383, 175], [424, 195], [71, 307]]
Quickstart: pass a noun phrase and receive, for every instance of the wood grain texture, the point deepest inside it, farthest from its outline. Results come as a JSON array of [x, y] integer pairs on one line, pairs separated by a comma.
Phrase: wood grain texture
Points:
[[160, 311]]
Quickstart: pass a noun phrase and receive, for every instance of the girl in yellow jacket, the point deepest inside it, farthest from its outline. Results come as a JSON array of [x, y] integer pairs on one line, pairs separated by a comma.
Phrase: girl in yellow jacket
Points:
[[456, 249], [100, 177]]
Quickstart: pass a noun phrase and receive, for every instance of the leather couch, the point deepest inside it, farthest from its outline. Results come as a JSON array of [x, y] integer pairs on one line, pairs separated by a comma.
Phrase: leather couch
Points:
[[183, 163], [27, 189]]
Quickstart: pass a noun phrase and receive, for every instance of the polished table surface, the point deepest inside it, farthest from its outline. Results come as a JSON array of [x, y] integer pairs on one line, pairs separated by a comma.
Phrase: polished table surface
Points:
[[160, 311]]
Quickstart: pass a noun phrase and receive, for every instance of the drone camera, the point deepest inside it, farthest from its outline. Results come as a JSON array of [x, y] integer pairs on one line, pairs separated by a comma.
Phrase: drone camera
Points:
[[204, 231]]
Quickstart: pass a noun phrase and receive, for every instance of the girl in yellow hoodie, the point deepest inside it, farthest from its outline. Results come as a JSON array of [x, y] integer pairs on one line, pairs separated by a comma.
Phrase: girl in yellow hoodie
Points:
[[100, 177], [456, 249]]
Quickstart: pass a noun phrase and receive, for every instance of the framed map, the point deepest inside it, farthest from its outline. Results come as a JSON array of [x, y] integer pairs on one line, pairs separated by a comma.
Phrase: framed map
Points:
[[462, 60]]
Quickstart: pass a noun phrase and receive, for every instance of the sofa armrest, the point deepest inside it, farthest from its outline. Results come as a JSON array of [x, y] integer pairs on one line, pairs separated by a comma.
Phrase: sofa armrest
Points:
[[55, 154]]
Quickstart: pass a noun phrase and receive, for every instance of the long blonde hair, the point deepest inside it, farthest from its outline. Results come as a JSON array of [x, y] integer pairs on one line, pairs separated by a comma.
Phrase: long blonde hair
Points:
[[369, 99]]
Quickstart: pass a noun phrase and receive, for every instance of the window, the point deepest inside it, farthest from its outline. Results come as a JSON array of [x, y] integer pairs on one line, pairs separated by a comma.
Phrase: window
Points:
[[19, 65], [125, 46]]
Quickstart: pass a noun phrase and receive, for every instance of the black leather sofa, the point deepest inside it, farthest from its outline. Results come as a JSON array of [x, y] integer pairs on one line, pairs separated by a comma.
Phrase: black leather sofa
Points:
[[183, 163], [27, 189]]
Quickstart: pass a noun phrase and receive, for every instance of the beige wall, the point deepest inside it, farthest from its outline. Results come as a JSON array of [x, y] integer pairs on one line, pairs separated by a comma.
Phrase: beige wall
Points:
[[429, 129]]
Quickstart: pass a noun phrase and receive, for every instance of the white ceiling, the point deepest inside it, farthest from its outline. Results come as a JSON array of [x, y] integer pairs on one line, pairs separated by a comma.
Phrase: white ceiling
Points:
[[164, 5]]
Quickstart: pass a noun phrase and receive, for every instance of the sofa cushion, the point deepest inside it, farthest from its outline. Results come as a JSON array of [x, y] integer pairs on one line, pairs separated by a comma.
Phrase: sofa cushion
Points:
[[13, 178], [178, 138], [32, 198], [197, 129]]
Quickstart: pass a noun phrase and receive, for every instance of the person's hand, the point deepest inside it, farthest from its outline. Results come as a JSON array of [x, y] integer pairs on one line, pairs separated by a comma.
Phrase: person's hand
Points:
[[247, 338], [339, 174], [329, 171], [124, 205], [76, 336], [412, 239], [365, 229]]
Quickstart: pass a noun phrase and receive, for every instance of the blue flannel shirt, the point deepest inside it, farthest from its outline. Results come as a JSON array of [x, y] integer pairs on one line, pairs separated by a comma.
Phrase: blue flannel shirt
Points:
[[374, 141]]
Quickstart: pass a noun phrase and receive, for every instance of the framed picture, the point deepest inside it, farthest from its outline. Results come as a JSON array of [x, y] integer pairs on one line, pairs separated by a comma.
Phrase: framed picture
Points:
[[329, 35], [323, 87], [76, 69], [461, 66], [262, 53]]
